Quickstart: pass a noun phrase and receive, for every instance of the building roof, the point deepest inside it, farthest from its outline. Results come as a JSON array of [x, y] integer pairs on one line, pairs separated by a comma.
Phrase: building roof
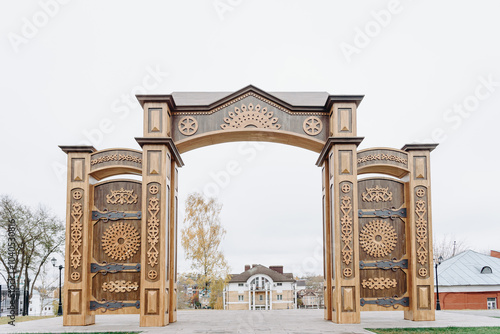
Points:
[[261, 270], [465, 268]]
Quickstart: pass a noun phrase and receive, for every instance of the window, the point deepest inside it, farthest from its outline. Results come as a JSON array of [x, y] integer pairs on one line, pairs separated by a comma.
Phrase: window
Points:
[[486, 270], [492, 303], [260, 297], [279, 297], [240, 298], [240, 284], [279, 284]]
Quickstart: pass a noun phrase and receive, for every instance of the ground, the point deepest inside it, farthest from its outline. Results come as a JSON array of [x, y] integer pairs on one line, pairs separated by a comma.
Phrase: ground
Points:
[[275, 321]]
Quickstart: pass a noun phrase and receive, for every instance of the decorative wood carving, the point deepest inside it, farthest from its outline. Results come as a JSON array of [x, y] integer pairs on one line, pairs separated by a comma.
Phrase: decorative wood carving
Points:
[[120, 286], [76, 229], [422, 272], [346, 229], [377, 194], [75, 276], [188, 126], [379, 283], [121, 196], [115, 157], [152, 274], [250, 116], [121, 241], [421, 231], [153, 230], [382, 157], [378, 238], [312, 125]]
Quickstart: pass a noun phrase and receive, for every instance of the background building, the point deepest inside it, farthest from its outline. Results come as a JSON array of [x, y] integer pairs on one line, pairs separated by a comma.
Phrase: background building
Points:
[[470, 280], [261, 288]]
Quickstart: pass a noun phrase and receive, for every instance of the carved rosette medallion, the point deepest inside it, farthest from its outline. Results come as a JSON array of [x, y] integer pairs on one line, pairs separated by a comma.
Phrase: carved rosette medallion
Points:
[[121, 241], [421, 230], [153, 227], [76, 233], [312, 126], [346, 228], [120, 286], [378, 238], [121, 197], [188, 125], [379, 283], [377, 194], [250, 117]]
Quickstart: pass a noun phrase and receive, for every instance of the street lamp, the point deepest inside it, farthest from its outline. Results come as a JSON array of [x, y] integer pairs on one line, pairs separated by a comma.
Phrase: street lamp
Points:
[[438, 262], [59, 309]]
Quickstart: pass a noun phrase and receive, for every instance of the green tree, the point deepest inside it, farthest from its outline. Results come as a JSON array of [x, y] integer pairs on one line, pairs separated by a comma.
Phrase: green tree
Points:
[[38, 234], [201, 239]]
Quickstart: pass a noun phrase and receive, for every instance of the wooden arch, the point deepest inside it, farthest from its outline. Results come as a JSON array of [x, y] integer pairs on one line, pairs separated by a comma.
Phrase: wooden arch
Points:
[[143, 279]]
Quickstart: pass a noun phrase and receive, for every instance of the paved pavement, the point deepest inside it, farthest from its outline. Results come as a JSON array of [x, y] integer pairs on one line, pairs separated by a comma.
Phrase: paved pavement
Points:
[[262, 322]]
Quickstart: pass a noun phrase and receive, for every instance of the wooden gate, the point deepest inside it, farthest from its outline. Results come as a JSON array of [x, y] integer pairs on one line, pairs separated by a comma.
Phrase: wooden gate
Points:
[[116, 247], [383, 247]]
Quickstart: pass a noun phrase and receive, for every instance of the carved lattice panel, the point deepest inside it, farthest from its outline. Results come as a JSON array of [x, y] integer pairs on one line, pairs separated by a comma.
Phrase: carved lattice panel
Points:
[[382, 244], [116, 239]]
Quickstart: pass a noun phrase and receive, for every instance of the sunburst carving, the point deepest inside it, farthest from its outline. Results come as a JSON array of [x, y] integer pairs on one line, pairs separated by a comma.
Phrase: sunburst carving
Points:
[[251, 117], [378, 238], [121, 241]]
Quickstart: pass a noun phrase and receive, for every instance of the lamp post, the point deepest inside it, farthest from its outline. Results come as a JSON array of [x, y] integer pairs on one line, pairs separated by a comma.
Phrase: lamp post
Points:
[[59, 309], [438, 262]]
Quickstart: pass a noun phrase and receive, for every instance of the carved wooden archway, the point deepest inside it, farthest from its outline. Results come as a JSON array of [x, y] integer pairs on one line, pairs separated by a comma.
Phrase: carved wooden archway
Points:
[[121, 247]]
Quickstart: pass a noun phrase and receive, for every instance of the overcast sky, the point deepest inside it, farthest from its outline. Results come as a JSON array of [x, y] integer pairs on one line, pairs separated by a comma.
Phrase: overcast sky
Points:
[[430, 71]]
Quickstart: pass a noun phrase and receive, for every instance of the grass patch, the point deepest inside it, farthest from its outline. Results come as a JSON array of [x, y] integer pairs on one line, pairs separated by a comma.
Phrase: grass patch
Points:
[[441, 330], [89, 333], [5, 320]]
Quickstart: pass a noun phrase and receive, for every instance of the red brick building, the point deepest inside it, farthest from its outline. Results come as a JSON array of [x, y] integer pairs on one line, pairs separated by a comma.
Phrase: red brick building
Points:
[[470, 280]]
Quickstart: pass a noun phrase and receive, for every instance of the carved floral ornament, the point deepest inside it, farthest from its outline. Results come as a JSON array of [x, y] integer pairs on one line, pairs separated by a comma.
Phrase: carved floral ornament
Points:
[[378, 238], [120, 286], [379, 283], [121, 196], [251, 117], [121, 241], [377, 194]]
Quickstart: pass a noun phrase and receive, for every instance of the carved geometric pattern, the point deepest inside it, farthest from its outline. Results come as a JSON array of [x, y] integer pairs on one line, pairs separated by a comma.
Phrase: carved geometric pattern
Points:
[[346, 229], [377, 194], [421, 231], [346, 188], [115, 157], [121, 241], [188, 126], [378, 238], [153, 189], [77, 194], [152, 274], [119, 286], [253, 117], [75, 276], [422, 272], [420, 192], [312, 126], [379, 283], [121, 197], [347, 272], [153, 230], [388, 157], [76, 234]]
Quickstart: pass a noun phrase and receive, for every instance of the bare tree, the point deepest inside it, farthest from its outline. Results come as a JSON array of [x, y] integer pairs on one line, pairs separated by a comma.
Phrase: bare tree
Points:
[[448, 246], [38, 234]]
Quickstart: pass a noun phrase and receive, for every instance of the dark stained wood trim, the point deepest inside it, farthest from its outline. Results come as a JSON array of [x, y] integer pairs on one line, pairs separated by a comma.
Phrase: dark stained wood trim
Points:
[[419, 147], [336, 140], [77, 149], [162, 141]]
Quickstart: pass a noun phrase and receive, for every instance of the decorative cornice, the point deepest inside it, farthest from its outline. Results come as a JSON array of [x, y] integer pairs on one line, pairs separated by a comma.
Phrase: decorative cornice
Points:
[[77, 149], [419, 147], [162, 141], [336, 140]]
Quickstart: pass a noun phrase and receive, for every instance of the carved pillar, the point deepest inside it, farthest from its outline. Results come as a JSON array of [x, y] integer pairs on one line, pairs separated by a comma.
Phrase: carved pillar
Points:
[[327, 242], [172, 241], [158, 240], [76, 305], [419, 238], [338, 159]]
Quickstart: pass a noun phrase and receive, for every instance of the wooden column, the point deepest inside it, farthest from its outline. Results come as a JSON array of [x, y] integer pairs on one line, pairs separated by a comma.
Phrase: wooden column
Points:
[[327, 242], [338, 159], [158, 238], [419, 238], [76, 300]]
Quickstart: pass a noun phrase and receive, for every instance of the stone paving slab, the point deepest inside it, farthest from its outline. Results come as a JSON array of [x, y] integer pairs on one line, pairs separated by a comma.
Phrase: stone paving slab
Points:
[[261, 322]]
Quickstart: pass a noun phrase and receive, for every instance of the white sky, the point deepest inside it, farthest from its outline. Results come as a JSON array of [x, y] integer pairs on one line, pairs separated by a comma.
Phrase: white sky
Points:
[[65, 74]]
